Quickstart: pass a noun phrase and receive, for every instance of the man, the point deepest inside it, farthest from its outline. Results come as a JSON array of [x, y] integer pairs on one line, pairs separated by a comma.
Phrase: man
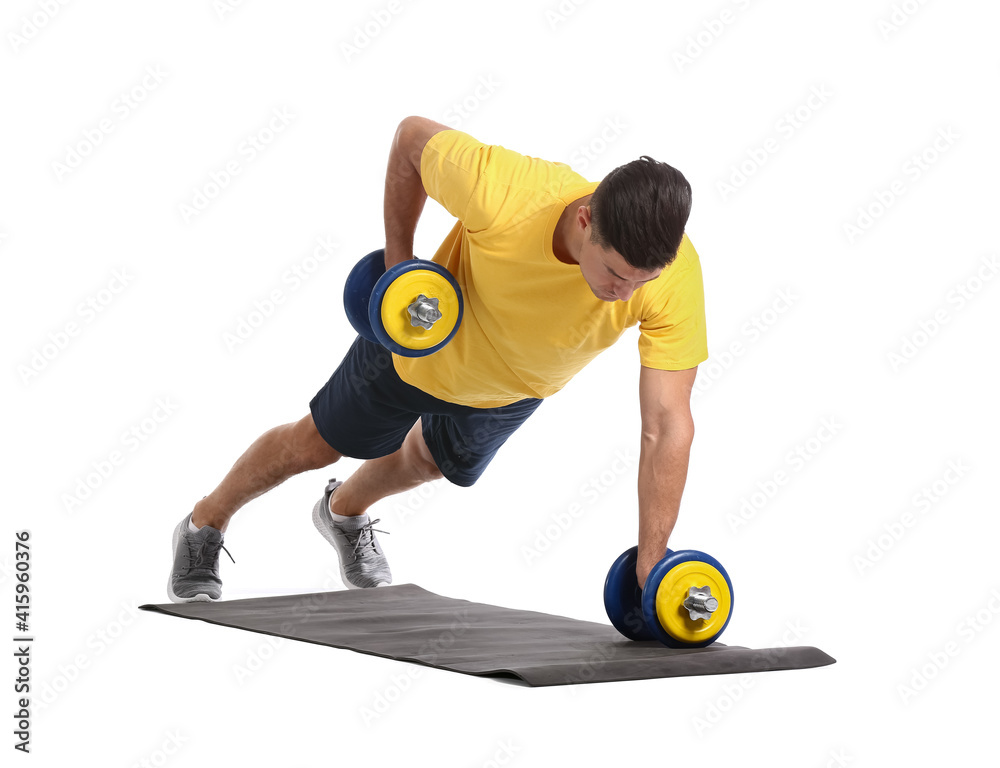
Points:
[[553, 268]]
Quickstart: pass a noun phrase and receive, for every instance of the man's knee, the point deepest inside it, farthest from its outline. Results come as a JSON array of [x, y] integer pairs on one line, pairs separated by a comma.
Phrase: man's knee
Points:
[[425, 465], [310, 450], [432, 471], [419, 455]]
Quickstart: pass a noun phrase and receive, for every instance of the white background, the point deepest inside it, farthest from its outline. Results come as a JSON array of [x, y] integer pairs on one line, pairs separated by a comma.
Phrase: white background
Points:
[[842, 554]]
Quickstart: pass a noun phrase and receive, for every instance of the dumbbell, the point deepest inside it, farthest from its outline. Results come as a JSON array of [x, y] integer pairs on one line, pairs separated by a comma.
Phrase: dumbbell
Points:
[[687, 600], [412, 309]]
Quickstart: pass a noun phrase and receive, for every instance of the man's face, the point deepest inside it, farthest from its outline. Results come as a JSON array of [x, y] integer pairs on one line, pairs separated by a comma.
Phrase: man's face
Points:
[[609, 276]]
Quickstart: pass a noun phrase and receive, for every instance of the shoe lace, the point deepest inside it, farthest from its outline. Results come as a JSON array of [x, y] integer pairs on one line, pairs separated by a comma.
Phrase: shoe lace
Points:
[[207, 554], [365, 531]]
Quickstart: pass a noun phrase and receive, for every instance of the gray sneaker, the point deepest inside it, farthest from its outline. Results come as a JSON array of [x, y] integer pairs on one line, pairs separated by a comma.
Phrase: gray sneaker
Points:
[[195, 574], [362, 562]]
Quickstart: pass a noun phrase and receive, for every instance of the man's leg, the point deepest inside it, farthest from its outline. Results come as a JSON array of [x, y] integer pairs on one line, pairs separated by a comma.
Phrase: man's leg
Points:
[[274, 457], [410, 466], [341, 516]]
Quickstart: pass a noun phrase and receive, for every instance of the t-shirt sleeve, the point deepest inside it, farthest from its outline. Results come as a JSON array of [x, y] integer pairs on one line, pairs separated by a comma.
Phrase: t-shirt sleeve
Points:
[[481, 185], [672, 334]]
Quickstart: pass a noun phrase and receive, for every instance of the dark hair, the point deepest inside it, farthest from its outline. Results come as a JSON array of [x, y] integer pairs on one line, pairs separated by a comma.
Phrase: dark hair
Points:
[[640, 210]]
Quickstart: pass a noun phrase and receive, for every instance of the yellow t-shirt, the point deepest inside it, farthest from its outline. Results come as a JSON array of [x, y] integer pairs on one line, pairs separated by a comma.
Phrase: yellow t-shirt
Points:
[[531, 322]]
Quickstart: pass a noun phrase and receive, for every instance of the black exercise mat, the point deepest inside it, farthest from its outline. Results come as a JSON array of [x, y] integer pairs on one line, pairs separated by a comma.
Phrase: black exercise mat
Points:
[[408, 623]]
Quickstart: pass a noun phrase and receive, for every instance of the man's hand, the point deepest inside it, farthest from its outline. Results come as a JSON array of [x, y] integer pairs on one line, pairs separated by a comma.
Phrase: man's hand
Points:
[[646, 564], [393, 258], [667, 432]]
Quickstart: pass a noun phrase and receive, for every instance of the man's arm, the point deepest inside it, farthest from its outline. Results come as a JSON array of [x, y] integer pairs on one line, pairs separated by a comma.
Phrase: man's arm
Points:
[[667, 432], [404, 191]]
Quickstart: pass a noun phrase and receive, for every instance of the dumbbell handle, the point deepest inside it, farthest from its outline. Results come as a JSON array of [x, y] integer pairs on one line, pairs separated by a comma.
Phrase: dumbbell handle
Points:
[[700, 604], [424, 312]]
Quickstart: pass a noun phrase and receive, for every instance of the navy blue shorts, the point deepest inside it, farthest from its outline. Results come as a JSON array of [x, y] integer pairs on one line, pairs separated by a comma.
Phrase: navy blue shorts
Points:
[[365, 410]]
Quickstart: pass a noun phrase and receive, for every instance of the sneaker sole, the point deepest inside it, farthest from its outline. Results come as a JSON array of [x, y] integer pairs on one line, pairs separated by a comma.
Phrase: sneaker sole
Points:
[[201, 597], [328, 535]]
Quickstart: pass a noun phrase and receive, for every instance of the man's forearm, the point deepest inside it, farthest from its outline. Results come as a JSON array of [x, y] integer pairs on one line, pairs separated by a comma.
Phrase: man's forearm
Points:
[[663, 465], [404, 199]]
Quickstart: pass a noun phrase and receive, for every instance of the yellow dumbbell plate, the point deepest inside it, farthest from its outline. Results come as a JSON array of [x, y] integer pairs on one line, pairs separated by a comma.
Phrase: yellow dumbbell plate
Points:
[[673, 590], [402, 292]]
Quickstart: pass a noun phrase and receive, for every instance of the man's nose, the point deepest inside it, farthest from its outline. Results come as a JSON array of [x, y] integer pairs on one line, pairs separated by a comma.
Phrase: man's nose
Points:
[[623, 291]]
